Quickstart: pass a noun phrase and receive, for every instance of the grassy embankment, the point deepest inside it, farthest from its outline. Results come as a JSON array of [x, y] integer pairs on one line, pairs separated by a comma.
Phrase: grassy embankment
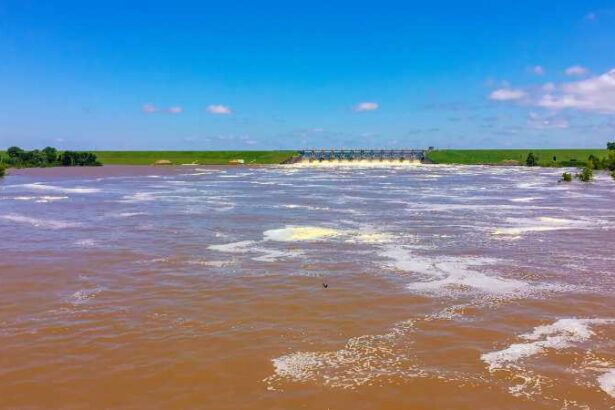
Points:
[[563, 157], [192, 157]]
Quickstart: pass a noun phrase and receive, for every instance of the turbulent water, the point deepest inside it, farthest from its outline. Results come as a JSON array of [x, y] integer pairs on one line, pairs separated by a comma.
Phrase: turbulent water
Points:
[[446, 287]]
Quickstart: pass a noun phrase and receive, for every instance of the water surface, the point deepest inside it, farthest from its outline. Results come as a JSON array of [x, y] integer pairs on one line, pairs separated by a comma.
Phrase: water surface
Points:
[[202, 287]]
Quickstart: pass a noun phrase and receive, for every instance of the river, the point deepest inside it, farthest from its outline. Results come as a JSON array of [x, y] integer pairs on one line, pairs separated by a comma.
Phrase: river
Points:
[[418, 286]]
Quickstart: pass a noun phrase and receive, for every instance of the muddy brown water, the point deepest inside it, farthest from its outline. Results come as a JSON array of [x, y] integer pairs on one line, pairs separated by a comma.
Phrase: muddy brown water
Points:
[[201, 287]]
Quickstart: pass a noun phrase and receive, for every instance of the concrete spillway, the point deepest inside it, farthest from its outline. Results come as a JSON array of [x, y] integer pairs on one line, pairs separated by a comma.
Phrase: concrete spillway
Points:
[[362, 156]]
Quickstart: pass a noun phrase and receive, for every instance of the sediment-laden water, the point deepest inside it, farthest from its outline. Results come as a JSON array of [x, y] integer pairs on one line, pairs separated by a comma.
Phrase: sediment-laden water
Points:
[[199, 287]]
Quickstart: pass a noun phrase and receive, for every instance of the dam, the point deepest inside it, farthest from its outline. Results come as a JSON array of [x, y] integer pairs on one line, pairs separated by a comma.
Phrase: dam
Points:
[[361, 155]]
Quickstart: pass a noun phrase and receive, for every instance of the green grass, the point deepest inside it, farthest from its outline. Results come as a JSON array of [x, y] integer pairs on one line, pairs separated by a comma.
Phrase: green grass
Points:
[[189, 157], [565, 157]]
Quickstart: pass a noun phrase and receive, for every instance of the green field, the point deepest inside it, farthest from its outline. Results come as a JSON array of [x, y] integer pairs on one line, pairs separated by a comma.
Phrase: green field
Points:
[[563, 157], [192, 157]]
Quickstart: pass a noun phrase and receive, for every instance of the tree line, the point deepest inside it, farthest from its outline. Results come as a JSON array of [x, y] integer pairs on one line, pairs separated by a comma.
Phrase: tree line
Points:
[[16, 157]]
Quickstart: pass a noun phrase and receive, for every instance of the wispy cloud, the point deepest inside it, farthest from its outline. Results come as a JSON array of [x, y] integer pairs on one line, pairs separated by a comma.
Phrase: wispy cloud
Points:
[[595, 15], [507, 94], [576, 70], [538, 70], [366, 106], [548, 121], [149, 108], [175, 110], [218, 109]]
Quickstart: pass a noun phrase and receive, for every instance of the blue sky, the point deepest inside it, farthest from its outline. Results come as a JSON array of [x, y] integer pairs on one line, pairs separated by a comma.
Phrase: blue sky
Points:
[[283, 74]]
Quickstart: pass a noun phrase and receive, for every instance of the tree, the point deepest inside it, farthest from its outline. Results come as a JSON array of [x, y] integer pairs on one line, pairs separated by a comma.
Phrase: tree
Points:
[[51, 154], [531, 160], [586, 174], [15, 152], [610, 146]]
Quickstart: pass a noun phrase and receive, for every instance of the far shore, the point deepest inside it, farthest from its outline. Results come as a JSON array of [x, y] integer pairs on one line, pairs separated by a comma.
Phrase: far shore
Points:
[[496, 157]]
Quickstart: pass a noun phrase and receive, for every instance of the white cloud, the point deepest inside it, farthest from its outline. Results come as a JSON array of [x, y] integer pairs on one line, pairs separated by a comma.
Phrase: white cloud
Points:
[[507, 94], [366, 106], [576, 70], [175, 110], [548, 87], [538, 70], [149, 108], [219, 109], [595, 94], [549, 121]]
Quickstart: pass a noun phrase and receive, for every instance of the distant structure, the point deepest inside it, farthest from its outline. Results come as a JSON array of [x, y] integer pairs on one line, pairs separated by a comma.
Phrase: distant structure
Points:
[[372, 155]]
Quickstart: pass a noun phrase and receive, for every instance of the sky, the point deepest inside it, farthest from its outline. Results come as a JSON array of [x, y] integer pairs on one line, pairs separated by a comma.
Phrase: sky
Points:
[[259, 75]]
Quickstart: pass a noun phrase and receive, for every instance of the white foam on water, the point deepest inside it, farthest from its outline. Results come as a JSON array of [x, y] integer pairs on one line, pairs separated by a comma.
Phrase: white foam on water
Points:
[[130, 214], [562, 334], [83, 296], [607, 382], [272, 255], [40, 199], [541, 224], [371, 238], [65, 190], [301, 233], [443, 275], [86, 243], [364, 360], [308, 207], [267, 254], [355, 164], [39, 223], [233, 247], [140, 197], [525, 200]]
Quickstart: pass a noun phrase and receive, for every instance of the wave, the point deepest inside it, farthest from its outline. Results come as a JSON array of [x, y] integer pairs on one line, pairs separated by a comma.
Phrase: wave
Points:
[[53, 188], [443, 275], [364, 360], [541, 224], [300, 233], [266, 254], [39, 223], [562, 334], [607, 382], [40, 199], [355, 164], [83, 296]]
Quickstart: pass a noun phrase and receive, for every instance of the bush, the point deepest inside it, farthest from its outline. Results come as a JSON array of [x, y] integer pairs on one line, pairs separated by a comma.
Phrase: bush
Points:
[[610, 161], [566, 177], [595, 162], [586, 174], [2, 170], [610, 146], [77, 158], [531, 160]]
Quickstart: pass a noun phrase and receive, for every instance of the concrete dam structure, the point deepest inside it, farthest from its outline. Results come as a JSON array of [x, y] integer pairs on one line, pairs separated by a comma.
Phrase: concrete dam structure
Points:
[[362, 156]]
